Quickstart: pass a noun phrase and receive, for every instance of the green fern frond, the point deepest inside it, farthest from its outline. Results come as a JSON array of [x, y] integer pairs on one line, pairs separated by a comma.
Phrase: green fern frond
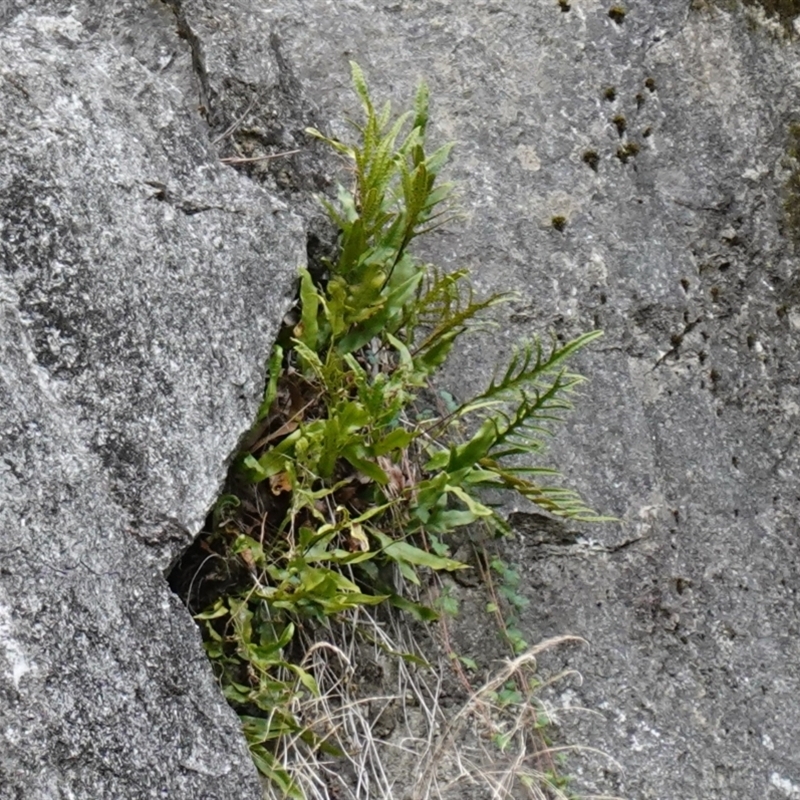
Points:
[[438, 159], [421, 102], [450, 306], [518, 432], [554, 499], [385, 115], [530, 370], [361, 89], [340, 147]]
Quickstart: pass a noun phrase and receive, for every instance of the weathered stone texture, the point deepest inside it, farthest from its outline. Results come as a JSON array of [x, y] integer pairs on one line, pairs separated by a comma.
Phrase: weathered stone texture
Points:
[[141, 283], [688, 430]]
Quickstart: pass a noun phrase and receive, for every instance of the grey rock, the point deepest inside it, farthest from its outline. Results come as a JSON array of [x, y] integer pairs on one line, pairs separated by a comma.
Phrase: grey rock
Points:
[[141, 284], [683, 254], [136, 318]]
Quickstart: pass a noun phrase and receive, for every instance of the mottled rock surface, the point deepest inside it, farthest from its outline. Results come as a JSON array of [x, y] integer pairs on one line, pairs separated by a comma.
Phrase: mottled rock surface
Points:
[[141, 283], [678, 244]]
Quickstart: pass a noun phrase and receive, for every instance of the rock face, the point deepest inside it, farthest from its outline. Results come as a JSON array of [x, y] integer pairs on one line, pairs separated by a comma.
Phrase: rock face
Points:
[[664, 139], [141, 281]]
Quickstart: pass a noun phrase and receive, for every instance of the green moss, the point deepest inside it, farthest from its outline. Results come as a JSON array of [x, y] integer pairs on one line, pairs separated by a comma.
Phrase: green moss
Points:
[[650, 84], [559, 222], [610, 94], [620, 123]]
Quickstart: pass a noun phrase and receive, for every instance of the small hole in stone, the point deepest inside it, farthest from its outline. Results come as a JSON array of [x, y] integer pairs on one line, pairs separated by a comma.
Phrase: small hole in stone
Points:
[[617, 13], [591, 158]]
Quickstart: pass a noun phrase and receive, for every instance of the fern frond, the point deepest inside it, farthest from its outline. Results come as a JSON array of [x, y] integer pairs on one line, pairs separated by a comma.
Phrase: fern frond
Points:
[[340, 147], [446, 309], [439, 158], [530, 370], [360, 86], [518, 433], [554, 499], [421, 108], [385, 115]]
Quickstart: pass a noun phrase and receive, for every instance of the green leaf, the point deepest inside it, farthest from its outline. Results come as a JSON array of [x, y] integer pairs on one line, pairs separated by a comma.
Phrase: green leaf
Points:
[[274, 460], [420, 612], [306, 679], [478, 447], [360, 85], [309, 304], [271, 768], [403, 552], [355, 455], [447, 520], [219, 609], [398, 439], [263, 651], [476, 508], [448, 605], [274, 372], [252, 469]]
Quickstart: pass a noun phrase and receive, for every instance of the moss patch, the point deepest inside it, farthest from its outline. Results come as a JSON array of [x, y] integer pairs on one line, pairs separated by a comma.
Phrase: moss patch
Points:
[[627, 151]]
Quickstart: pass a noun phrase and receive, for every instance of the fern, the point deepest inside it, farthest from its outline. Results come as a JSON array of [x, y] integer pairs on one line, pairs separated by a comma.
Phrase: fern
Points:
[[393, 200], [443, 312], [526, 372], [518, 430], [517, 411], [346, 488]]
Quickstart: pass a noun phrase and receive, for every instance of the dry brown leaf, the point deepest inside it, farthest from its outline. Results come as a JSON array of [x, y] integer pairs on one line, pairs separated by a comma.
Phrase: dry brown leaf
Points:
[[280, 482], [248, 559], [397, 479]]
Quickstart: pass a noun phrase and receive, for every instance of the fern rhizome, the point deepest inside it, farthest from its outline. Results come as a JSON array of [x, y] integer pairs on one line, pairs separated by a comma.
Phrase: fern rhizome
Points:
[[349, 486]]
